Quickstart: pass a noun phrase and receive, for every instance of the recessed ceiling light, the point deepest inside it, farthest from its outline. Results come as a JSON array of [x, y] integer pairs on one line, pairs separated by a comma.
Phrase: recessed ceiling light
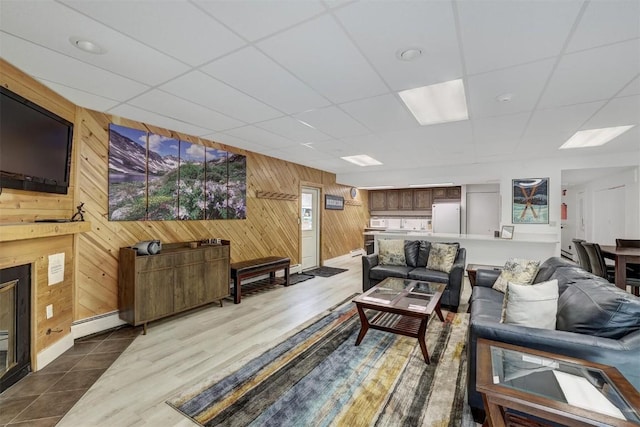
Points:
[[594, 137], [439, 103], [306, 124], [362, 160], [441, 184], [409, 54], [87, 45], [505, 97]]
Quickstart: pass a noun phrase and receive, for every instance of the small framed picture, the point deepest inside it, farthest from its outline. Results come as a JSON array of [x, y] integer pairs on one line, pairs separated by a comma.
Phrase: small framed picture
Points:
[[506, 232]]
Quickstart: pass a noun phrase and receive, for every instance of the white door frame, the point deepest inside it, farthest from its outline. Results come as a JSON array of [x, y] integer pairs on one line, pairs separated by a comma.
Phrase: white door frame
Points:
[[316, 220]]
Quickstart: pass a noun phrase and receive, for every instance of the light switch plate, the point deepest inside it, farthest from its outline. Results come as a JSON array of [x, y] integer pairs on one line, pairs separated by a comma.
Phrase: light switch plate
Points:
[[49, 311]]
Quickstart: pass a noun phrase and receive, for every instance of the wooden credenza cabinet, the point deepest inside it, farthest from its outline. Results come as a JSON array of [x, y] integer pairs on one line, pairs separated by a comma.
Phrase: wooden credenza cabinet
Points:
[[179, 278]]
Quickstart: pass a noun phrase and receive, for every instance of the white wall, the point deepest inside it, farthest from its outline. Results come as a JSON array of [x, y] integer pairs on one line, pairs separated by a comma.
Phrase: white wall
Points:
[[627, 179]]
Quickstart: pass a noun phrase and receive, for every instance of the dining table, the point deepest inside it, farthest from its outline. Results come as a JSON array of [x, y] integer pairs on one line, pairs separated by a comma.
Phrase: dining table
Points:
[[621, 256]]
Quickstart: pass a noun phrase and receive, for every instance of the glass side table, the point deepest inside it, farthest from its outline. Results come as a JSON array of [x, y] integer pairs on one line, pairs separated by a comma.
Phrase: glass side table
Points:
[[552, 387]]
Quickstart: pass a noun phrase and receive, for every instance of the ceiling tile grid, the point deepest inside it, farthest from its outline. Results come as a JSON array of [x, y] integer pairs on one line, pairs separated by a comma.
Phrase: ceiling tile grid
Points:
[[272, 76]]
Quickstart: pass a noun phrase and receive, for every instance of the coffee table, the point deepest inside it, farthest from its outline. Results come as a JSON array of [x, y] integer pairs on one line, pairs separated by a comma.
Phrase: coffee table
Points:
[[400, 306]]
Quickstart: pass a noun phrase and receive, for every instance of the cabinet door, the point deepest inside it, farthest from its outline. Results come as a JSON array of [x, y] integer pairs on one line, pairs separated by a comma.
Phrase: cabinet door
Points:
[[406, 200], [154, 294], [377, 200], [393, 200], [189, 286], [454, 192], [422, 199], [216, 273], [439, 192]]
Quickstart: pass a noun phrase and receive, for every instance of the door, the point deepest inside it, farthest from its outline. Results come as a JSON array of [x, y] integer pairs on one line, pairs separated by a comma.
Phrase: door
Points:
[[483, 213], [608, 215], [310, 227]]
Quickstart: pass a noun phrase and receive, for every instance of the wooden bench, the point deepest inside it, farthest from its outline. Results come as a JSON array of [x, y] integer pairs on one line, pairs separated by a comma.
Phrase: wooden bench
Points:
[[255, 267]]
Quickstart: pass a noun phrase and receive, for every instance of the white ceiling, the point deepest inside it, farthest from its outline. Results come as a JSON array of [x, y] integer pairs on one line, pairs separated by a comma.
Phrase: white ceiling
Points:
[[249, 73]]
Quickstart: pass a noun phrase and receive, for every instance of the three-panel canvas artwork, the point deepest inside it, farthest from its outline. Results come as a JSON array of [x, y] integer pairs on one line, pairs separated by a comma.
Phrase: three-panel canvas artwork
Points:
[[156, 178]]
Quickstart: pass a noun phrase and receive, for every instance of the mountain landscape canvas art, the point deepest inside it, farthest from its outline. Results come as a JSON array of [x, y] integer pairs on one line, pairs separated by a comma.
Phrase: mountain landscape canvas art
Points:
[[159, 178]]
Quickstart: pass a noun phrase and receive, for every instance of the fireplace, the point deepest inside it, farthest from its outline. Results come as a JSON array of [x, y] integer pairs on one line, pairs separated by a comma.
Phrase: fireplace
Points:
[[15, 325]]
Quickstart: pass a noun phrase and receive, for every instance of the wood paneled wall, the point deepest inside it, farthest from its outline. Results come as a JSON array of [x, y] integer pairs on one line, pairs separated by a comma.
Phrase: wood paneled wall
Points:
[[24, 206], [271, 226], [90, 283]]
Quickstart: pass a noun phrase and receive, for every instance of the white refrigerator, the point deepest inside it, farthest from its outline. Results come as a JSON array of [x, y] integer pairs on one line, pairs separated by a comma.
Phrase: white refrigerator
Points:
[[445, 218]]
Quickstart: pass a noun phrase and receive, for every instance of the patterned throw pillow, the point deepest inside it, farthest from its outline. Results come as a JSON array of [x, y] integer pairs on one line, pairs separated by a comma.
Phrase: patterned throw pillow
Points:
[[391, 252], [518, 271], [442, 256]]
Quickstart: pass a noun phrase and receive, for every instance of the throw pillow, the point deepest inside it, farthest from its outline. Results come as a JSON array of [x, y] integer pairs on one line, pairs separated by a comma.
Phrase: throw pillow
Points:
[[442, 256], [535, 306], [391, 252], [520, 271]]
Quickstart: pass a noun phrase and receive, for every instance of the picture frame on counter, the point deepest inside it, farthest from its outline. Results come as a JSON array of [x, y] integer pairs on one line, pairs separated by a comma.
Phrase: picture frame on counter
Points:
[[332, 202], [506, 232]]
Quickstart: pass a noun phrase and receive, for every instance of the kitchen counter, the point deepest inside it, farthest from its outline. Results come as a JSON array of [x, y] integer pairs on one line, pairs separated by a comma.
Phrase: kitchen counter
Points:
[[484, 249]]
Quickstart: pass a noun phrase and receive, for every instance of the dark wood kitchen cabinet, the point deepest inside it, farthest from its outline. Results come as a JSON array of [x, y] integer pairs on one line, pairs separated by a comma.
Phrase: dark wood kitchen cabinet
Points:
[[378, 200], [422, 199]]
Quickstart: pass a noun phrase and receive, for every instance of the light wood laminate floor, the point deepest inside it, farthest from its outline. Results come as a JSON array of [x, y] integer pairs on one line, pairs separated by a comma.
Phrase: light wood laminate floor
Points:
[[183, 350]]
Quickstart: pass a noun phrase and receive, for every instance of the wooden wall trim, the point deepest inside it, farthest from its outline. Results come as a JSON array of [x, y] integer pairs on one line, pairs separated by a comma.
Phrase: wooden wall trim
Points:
[[275, 196]]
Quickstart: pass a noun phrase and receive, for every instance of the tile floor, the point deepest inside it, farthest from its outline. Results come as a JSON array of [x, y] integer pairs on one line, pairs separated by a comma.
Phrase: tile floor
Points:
[[42, 398]]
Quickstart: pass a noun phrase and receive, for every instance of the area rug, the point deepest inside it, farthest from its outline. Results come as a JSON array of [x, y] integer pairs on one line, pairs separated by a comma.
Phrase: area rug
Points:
[[318, 377], [299, 277], [325, 271]]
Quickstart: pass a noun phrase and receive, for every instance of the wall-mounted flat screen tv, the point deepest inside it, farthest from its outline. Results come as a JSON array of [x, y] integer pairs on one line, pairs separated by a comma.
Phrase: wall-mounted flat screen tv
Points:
[[35, 146]]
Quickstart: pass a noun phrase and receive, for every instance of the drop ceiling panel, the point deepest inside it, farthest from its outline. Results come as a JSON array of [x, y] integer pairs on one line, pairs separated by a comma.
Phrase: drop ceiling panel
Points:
[[46, 64], [618, 112], [260, 136], [147, 117], [254, 20], [383, 113], [336, 69], [202, 89], [234, 141], [381, 29], [350, 146], [523, 82], [633, 88], [180, 109], [333, 121], [497, 34], [503, 129], [177, 28], [125, 56], [273, 84], [563, 120], [606, 22], [613, 67], [81, 98], [293, 130], [299, 154]]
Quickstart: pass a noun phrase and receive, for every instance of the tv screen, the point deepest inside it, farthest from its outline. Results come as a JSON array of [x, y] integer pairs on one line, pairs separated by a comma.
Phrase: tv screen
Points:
[[35, 146]]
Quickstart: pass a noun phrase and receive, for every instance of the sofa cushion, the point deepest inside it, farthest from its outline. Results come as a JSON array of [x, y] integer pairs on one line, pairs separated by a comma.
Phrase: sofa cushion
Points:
[[381, 272], [519, 271], [427, 275], [441, 257], [391, 252], [423, 253], [534, 306], [411, 252], [594, 308]]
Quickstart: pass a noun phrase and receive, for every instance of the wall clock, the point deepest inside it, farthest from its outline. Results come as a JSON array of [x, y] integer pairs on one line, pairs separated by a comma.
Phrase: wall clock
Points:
[[354, 192]]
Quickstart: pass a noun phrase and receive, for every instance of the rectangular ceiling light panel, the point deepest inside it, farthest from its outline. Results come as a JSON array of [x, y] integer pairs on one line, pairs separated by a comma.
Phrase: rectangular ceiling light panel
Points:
[[594, 137], [439, 103], [362, 160]]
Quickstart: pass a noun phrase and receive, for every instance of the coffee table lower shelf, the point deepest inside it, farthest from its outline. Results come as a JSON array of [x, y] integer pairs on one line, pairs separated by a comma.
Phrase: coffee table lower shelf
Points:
[[413, 327]]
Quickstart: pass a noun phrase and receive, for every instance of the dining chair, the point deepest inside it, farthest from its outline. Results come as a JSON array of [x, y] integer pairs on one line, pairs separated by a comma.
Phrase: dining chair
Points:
[[633, 270], [583, 257], [596, 260]]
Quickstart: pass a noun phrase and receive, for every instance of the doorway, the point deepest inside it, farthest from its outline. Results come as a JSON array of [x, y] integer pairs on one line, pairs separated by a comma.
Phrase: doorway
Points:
[[310, 227]]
